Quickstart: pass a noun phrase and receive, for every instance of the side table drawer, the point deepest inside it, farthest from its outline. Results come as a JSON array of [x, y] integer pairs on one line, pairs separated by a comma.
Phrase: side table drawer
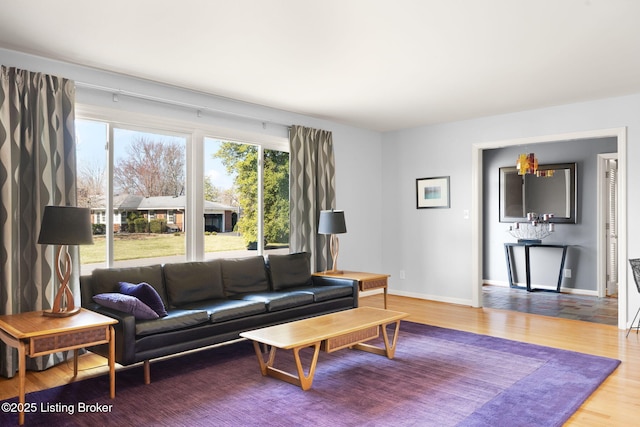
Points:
[[68, 340], [373, 284]]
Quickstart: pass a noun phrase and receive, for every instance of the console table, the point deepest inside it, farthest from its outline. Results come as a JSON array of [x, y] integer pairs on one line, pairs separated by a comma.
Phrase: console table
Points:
[[36, 335], [527, 248], [366, 281]]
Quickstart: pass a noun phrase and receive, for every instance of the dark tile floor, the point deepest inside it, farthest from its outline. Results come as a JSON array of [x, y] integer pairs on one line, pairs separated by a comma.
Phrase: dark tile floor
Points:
[[568, 306]]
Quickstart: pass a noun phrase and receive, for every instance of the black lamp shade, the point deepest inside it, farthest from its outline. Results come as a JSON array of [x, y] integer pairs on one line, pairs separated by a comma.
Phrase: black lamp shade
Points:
[[66, 225], [332, 222]]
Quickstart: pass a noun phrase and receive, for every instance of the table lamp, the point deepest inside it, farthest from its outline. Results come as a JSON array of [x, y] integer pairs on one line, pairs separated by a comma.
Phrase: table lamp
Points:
[[63, 226], [332, 222]]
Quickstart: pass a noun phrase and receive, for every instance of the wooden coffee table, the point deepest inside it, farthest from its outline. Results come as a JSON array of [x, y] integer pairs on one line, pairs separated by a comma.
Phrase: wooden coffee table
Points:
[[330, 332]]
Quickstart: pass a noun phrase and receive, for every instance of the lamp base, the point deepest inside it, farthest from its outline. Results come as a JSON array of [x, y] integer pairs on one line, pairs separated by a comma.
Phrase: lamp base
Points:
[[65, 313]]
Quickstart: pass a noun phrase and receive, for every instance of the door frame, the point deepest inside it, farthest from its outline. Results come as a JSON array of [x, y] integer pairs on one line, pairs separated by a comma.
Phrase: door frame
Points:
[[602, 258], [477, 207]]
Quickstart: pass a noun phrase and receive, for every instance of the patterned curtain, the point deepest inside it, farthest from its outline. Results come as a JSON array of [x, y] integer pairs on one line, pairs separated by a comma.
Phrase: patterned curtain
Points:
[[37, 168], [312, 189]]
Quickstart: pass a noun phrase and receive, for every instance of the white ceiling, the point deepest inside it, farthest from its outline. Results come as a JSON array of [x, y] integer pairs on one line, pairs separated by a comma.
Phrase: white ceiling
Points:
[[377, 64]]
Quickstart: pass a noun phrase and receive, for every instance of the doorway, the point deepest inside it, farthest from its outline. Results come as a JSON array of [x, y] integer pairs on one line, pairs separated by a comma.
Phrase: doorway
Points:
[[477, 208], [608, 225]]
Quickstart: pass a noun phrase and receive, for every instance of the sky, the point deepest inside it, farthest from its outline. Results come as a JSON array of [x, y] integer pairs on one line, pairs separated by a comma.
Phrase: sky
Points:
[[91, 139]]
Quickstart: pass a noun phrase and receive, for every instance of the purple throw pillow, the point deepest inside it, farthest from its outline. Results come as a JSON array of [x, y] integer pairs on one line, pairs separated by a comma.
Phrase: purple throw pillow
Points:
[[145, 293], [126, 303]]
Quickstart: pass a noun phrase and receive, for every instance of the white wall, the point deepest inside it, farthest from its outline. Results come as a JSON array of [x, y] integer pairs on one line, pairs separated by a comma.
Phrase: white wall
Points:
[[357, 151], [434, 246]]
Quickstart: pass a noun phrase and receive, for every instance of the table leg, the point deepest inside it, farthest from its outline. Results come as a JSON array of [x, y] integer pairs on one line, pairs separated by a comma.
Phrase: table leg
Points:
[[306, 380], [22, 369], [527, 267], [389, 349], [507, 254], [564, 257], [259, 352], [22, 372], [112, 366], [303, 380]]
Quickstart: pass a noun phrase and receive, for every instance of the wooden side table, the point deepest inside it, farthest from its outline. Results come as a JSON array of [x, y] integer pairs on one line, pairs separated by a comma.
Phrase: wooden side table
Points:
[[36, 335], [366, 281]]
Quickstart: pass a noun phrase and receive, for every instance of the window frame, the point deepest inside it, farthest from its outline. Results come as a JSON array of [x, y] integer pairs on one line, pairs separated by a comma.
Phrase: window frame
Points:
[[194, 175]]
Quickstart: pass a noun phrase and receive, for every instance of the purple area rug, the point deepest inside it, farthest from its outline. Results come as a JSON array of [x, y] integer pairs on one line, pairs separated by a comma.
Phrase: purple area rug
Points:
[[439, 377]]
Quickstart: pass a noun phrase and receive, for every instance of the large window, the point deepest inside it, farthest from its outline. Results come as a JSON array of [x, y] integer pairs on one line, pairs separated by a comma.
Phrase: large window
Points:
[[246, 191], [149, 181], [91, 139], [134, 179]]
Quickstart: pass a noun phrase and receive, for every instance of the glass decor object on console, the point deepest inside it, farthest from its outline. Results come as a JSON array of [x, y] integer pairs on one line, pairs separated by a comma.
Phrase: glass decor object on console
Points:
[[537, 228], [552, 189]]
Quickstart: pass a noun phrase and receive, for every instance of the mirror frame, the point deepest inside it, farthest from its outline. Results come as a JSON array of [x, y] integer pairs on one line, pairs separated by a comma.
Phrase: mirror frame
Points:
[[572, 219]]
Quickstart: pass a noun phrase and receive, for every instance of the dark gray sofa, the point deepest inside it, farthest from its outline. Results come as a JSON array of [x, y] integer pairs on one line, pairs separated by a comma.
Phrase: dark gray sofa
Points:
[[211, 302]]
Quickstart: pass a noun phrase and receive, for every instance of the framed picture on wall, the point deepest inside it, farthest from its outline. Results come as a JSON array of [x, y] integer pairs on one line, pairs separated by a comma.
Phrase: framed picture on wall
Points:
[[432, 192]]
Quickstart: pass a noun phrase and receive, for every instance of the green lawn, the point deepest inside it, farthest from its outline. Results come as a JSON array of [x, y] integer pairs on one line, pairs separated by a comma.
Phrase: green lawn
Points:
[[134, 246]]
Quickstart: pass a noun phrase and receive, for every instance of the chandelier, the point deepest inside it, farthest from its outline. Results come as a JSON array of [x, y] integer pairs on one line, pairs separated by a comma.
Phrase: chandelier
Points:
[[527, 164]]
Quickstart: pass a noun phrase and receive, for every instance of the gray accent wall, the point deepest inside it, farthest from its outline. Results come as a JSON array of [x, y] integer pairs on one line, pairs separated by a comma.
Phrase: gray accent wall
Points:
[[581, 237]]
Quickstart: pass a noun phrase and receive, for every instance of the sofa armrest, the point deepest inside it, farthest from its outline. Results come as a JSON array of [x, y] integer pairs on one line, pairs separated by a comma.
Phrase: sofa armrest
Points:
[[332, 281], [125, 331]]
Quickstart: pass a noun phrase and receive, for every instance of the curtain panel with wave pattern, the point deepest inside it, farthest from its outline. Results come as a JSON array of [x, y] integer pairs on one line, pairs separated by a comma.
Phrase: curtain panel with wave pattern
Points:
[[312, 189], [37, 168]]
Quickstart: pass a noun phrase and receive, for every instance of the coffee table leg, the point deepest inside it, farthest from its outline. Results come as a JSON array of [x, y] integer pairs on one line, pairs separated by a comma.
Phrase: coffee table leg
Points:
[[301, 379], [306, 380], [389, 349], [264, 364]]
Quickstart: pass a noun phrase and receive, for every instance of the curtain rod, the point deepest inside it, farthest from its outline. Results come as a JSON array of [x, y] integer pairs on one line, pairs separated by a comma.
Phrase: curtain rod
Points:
[[198, 108]]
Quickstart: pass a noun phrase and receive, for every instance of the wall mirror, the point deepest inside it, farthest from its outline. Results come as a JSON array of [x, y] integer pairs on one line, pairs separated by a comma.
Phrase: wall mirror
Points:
[[520, 194]]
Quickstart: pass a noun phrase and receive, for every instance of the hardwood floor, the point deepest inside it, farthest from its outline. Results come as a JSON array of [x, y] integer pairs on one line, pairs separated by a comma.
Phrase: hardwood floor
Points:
[[615, 403]]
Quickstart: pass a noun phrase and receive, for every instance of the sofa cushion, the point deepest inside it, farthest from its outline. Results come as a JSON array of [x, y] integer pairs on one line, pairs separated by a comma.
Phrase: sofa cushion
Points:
[[127, 304], [107, 279], [145, 293], [173, 321], [325, 293], [244, 275], [290, 270], [221, 310], [276, 301], [188, 282]]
